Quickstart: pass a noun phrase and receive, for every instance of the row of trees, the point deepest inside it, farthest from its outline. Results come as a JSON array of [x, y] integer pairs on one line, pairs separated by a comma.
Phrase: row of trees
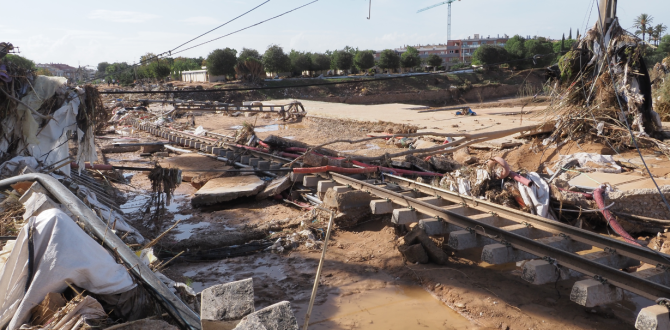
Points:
[[521, 52], [645, 27]]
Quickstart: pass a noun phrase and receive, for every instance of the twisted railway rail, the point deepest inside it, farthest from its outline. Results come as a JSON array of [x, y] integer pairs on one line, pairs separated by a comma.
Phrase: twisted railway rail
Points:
[[554, 250]]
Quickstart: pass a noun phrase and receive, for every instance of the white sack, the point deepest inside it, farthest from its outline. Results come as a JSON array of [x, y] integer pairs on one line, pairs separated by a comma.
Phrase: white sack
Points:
[[537, 197]]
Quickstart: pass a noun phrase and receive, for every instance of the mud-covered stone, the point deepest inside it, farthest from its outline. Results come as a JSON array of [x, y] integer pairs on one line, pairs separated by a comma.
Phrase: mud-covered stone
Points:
[[435, 253], [347, 200], [275, 317], [414, 253]]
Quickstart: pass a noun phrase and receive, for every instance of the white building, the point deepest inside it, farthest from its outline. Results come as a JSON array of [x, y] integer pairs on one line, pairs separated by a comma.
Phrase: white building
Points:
[[200, 76]]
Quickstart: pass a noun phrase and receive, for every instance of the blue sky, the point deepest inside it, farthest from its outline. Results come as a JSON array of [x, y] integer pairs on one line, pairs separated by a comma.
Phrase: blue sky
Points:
[[88, 32]]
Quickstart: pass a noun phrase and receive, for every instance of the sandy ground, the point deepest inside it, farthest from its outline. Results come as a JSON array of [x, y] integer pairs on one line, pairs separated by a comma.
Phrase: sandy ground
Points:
[[366, 284]]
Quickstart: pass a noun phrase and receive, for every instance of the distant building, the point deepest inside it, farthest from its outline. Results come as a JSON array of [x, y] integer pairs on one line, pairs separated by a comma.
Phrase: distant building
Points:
[[71, 73], [200, 76], [454, 51]]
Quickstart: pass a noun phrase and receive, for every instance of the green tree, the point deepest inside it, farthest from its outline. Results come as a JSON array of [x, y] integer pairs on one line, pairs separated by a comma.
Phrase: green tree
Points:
[[516, 47], [567, 45], [343, 60], [539, 46], [159, 69], [121, 72], [570, 36], [389, 59], [147, 58], [222, 62], [489, 54], [643, 25], [275, 60], [102, 67], [19, 61], [658, 32], [364, 60], [248, 53], [300, 62], [320, 62], [664, 45], [410, 58], [435, 61]]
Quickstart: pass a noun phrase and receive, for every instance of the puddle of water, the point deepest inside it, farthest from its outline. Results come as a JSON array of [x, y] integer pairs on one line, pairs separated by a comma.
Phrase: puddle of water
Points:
[[396, 307], [134, 204], [186, 229]]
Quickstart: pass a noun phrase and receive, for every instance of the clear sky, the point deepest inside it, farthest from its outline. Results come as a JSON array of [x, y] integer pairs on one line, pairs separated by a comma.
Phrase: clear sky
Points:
[[88, 32]]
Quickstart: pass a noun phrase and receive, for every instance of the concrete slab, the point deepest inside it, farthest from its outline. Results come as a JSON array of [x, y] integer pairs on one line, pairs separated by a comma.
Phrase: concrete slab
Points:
[[381, 206], [226, 189], [193, 161], [404, 216], [277, 186], [310, 181]]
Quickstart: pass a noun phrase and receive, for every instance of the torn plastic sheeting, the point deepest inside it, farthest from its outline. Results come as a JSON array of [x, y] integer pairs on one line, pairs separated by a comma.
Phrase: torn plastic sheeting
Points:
[[600, 163], [537, 196], [43, 88], [63, 253], [113, 218]]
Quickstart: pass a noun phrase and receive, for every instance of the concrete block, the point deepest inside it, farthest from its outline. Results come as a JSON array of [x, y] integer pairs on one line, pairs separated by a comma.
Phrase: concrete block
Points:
[[209, 149], [224, 305], [198, 145], [253, 162], [226, 189], [275, 166], [541, 272], [381, 206], [591, 293], [216, 151], [435, 227], [276, 187], [296, 177], [655, 275], [323, 186], [498, 254], [310, 180], [275, 317], [463, 239], [346, 201], [263, 165], [404, 216], [341, 189], [414, 253], [654, 317], [245, 160], [230, 154]]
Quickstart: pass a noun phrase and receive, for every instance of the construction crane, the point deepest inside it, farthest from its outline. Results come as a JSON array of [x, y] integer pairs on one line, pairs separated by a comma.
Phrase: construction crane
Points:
[[448, 2]]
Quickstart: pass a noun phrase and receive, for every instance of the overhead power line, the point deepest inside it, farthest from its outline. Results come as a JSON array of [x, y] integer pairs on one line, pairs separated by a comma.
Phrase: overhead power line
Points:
[[169, 53], [220, 26], [248, 27]]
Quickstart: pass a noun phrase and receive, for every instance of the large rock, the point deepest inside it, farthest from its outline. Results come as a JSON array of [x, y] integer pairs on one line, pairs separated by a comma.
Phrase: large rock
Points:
[[276, 317], [226, 189], [224, 305], [414, 253], [347, 200], [276, 187], [435, 253]]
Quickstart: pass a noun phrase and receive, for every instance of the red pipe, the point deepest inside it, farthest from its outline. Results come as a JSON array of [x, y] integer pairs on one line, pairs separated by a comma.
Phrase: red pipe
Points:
[[312, 170], [397, 170], [265, 145], [600, 201]]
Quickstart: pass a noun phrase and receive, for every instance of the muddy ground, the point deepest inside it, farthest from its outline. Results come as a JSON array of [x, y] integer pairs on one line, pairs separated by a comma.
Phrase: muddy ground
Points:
[[366, 284]]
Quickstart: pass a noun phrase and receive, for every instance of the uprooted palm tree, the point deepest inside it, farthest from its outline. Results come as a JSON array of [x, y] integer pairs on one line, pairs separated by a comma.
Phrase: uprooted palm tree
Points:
[[643, 25]]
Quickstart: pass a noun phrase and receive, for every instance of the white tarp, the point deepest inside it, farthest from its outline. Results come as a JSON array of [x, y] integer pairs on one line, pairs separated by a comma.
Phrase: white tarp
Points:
[[592, 162], [63, 253], [537, 197]]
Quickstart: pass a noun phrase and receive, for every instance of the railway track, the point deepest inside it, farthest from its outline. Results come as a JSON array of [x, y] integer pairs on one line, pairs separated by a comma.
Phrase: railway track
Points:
[[553, 250]]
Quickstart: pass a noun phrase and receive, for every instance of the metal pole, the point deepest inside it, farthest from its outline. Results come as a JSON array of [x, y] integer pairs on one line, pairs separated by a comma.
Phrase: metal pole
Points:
[[449, 25], [181, 313], [318, 270]]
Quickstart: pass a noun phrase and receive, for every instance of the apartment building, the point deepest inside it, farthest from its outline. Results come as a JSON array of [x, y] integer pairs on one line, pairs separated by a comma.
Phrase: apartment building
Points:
[[454, 51]]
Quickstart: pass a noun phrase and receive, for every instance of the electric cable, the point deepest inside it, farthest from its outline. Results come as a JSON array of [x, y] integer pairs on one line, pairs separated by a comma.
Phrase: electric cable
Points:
[[220, 26]]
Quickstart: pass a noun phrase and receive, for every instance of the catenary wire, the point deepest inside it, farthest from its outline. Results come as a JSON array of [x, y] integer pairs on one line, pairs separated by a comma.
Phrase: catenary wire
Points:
[[220, 26]]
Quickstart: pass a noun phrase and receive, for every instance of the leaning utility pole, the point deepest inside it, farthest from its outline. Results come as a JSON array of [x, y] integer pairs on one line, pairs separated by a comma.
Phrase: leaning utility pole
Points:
[[607, 14]]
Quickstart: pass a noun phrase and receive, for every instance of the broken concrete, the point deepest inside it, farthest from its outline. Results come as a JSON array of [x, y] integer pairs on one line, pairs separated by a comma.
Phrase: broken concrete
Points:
[[276, 187], [224, 305], [348, 200], [275, 317], [226, 189], [435, 253], [199, 180]]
